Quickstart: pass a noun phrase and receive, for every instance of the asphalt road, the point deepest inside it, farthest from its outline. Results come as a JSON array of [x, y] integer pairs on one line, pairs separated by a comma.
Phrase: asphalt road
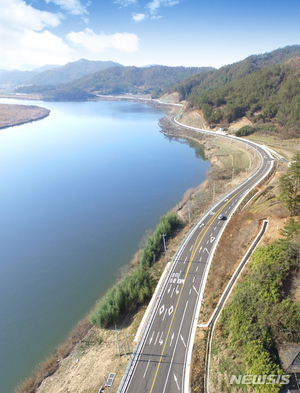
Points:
[[161, 363]]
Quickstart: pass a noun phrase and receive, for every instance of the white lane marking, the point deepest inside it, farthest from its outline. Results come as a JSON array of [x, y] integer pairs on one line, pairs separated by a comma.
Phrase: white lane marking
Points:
[[207, 242], [202, 225], [229, 207], [156, 338], [190, 291], [200, 249], [195, 289], [172, 292], [197, 268], [182, 340], [164, 315], [177, 290], [172, 339], [191, 247], [175, 346], [146, 368], [151, 337], [175, 379], [206, 250], [161, 341], [171, 309], [226, 212], [194, 279], [169, 289], [215, 228], [162, 309], [200, 259], [185, 260]]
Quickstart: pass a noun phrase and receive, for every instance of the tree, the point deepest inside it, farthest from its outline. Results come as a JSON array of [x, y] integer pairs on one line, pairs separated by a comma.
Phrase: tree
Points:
[[290, 186]]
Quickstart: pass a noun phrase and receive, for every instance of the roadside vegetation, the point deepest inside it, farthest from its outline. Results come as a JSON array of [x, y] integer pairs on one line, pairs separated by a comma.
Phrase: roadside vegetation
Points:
[[261, 313], [138, 284]]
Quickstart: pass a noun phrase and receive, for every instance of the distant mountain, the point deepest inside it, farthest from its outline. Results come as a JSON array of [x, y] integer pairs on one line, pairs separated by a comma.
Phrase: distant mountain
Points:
[[26, 67], [15, 78], [119, 80], [70, 72], [46, 67], [56, 74]]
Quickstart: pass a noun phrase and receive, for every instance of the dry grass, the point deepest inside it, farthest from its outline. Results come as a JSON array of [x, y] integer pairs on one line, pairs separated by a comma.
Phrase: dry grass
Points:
[[11, 115]]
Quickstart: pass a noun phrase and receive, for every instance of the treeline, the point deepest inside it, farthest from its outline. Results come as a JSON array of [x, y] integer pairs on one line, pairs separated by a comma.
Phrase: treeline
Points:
[[248, 130], [261, 314], [138, 284]]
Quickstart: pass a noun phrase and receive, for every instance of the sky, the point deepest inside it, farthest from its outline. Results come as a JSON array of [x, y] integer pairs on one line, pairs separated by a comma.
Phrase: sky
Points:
[[144, 32]]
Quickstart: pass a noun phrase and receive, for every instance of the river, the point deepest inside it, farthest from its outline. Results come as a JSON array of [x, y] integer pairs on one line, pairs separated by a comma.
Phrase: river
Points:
[[79, 189]]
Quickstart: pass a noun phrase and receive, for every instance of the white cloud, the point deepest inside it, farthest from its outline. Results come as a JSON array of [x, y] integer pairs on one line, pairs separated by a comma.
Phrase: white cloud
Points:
[[96, 43], [125, 3], [73, 7], [23, 38], [154, 5], [138, 17]]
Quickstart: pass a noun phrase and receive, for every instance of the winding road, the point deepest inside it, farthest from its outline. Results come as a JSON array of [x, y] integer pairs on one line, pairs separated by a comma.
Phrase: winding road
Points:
[[161, 362]]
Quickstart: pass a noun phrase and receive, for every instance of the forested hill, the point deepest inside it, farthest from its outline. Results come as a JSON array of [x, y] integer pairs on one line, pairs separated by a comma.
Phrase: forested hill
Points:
[[198, 84], [119, 80]]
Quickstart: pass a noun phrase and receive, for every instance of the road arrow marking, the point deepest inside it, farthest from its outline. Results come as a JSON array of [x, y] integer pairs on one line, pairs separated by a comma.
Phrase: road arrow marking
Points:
[[172, 339], [161, 340], [169, 289], [170, 310], [177, 290], [162, 309], [182, 340], [195, 290], [212, 238], [175, 379], [206, 250], [151, 338], [202, 225]]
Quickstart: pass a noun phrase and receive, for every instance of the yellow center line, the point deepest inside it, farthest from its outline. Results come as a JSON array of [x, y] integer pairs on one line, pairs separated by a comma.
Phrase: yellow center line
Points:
[[195, 249]]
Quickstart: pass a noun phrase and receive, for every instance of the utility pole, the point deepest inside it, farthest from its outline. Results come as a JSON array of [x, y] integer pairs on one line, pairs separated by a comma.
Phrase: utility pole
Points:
[[153, 257], [163, 235], [117, 342]]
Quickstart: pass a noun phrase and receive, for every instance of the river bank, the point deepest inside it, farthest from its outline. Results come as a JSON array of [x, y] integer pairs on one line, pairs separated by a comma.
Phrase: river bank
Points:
[[13, 115], [94, 354]]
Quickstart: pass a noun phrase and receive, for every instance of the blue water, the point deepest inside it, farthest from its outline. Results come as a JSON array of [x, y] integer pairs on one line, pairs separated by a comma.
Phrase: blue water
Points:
[[78, 191]]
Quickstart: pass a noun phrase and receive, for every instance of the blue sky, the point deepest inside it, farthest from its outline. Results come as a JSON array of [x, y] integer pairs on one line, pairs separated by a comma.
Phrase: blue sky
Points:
[[142, 32]]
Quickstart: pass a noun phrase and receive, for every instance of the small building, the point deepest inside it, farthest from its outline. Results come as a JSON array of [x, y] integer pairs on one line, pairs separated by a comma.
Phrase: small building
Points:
[[289, 355]]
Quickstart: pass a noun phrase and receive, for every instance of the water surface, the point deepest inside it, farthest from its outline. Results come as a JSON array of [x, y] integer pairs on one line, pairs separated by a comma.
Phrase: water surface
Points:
[[78, 191]]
